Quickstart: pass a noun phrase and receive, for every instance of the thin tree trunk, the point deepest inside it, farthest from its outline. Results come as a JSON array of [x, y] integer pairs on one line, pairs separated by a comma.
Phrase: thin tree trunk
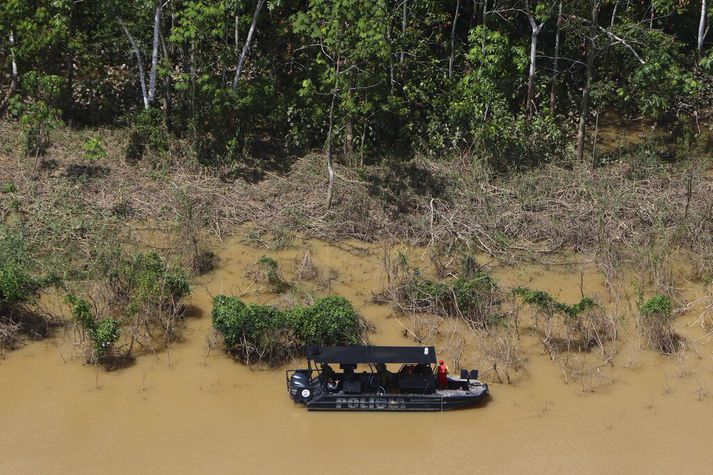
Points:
[[168, 103], [701, 29], [584, 107], [349, 136], [453, 40], [404, 19], [485, 11], [533, 70], [555, 63], [154, 52], [613, 13], [14, 78], [361, 145], [330, 132], [535, 32], [140, 64], [246, 46], [391, 58]]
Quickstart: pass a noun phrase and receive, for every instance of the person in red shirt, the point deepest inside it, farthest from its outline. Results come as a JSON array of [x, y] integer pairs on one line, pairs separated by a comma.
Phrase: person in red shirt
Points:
[[442, 375]]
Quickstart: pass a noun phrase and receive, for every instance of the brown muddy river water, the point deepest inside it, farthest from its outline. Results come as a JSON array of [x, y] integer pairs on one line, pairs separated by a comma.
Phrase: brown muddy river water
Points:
[[196, 411]]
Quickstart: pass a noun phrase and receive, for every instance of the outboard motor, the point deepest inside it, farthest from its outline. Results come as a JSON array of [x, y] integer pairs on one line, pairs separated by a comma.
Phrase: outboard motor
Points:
[[300, 388]]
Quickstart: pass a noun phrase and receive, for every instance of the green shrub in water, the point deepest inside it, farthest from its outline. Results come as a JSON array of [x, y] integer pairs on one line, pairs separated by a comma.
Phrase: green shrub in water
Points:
[[103, 333], [656, 324], [265, 333]]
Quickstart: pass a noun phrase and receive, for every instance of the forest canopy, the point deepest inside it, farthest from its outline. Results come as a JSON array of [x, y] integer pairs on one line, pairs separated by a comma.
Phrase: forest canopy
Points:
[[517, 80]]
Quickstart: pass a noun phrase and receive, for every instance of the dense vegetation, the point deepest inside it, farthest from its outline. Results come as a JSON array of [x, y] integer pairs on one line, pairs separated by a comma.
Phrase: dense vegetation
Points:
[[445, 122], [512, 81], [264, 333]]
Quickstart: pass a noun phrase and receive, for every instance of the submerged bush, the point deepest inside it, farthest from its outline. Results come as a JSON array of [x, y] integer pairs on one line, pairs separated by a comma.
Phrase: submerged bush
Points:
[[585, 325], [102, 332], [471, 297], [146, 291], [656, 324], [259, 332], [266, 271]]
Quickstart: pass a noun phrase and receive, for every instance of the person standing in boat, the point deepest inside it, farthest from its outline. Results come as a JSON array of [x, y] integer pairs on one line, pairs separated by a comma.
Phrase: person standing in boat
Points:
[[442, 375]]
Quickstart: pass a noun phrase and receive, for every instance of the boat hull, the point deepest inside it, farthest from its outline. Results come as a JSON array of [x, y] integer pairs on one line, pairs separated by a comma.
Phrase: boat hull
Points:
[[441, 401]]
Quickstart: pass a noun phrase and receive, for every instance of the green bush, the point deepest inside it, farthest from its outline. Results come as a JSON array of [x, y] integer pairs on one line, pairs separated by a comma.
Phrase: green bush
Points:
[[37, 123], [103, 333], [265, 333], [93, 149], [144, 282], [585, 324], [656, 324], [8, 188], [472, 297], [330, 321], [17, 285], [146, 292], [148, 138]]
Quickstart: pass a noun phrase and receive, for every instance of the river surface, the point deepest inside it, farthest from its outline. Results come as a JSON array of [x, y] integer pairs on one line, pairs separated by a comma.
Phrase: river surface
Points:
[[194, 410]]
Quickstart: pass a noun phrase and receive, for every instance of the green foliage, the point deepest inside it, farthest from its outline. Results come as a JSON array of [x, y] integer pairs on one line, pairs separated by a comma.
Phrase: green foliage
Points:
[[148, 137], [17, 285], [656, 323], [103, 333], [330, 321], [38, 121], [8, 187], [659, 306], [150, 283], [145, 290], [471, 297], [546, 304], [94, 149], [267, 271], [264, 332]]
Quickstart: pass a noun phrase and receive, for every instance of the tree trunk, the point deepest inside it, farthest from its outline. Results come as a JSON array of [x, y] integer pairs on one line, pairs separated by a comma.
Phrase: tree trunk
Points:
[[404, 19], [613, 14], [533, 68], [535, 32], [453, 40], [246, 46], [14, 78], [701, 30], [363, 140], [330, 132], [349, 136], [555, 63], [584, 106], [392, 81], [154, 52], [167, 100], [139, 62]]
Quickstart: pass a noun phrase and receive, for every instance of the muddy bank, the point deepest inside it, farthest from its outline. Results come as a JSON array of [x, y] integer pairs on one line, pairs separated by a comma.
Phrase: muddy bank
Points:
[[193, 409]]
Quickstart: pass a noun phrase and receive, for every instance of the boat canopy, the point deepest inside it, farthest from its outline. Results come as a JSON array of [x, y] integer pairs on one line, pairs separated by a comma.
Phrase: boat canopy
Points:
[[371, 354]]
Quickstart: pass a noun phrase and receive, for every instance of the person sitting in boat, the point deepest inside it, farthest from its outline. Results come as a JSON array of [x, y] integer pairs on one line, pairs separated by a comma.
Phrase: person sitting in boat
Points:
[[332, 385], [442, 375]]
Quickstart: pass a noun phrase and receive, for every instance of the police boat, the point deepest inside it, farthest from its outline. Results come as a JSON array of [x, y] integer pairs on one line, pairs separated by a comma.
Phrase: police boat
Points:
[[364, 382]]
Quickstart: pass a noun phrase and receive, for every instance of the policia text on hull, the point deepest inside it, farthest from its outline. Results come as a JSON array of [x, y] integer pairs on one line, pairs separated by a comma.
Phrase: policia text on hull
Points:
[[365, 383]]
